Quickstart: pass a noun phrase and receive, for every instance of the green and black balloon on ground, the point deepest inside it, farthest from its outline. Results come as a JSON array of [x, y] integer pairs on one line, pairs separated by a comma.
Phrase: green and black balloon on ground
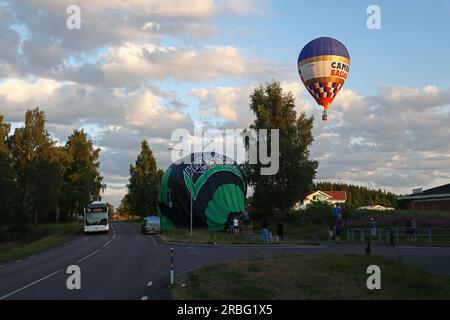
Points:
[[217, 186]]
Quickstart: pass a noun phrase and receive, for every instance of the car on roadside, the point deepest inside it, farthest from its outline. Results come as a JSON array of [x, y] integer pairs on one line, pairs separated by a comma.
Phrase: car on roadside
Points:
[[151, 225]]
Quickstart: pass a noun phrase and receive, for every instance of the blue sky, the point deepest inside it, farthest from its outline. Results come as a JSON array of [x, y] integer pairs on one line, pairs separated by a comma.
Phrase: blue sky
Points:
[[411, 48], [122, 82]]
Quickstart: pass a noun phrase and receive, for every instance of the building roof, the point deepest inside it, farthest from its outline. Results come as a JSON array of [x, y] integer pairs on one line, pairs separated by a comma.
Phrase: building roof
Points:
[[333, 195], [337, 195], [437, 192]]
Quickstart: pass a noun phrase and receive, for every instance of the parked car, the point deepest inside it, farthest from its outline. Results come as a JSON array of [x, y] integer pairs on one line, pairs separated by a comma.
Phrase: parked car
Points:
[[151, 225]]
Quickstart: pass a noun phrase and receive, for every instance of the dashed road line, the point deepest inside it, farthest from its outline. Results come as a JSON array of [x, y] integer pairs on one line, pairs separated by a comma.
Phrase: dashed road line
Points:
[[58, 271], [88, 256], [150, 283], [153, 239], [33, 256], [29, 285], [144, 298]]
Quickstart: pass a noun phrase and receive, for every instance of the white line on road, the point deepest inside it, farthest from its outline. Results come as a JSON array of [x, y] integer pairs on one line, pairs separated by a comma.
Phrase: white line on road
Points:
[[106, 244], [418, 247], [153, 239], [144, 298], [33, 256], [150, 283], [18, 261], [31, 284], [88, 256]]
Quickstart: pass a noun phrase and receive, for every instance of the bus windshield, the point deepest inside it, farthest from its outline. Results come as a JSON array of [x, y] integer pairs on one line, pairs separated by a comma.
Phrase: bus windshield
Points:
[[96, 216]]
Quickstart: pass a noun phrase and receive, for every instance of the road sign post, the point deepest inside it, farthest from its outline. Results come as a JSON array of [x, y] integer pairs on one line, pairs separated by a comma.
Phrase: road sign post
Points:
[[172, 266]]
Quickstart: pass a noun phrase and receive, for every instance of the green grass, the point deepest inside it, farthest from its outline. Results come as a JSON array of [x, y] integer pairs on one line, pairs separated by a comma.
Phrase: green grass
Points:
[[311, 277], [46, 236], [203, 236]]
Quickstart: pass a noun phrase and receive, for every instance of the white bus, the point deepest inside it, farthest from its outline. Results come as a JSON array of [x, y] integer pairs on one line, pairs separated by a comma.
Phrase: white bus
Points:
[[96, 218]]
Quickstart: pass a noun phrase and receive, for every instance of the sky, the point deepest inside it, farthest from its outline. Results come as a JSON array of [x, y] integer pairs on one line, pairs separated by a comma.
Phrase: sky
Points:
[[141, 69]]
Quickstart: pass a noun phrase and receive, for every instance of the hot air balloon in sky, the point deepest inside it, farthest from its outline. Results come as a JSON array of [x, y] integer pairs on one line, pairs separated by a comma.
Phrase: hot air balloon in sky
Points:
[[323, 65]]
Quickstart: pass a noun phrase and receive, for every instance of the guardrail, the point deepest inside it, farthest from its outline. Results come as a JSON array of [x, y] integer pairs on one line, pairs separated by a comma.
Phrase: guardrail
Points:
[[399, 235]]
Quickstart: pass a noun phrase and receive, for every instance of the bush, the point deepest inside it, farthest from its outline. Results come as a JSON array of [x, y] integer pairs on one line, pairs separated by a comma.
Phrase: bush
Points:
[[319, 212]]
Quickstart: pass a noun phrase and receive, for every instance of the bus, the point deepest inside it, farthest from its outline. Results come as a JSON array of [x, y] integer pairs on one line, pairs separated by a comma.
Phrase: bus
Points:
[[96, 218]]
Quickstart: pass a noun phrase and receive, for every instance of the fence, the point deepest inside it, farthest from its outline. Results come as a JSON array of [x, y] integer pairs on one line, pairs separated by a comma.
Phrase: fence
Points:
[[400, 235]]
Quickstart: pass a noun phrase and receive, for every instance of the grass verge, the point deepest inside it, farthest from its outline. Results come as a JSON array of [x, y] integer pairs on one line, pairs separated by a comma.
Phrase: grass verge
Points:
[[203, 236], [50, 235], [311, 277]]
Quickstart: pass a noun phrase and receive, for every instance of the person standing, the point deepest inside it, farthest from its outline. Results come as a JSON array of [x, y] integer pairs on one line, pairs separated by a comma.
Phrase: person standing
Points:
[[339, 227], [236, 226], [414, 230], [280, 230], [373, 228], [330, 232], [265, 230]]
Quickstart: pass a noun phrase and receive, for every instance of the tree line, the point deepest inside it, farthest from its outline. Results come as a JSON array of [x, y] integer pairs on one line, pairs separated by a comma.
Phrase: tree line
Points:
[[41, 181]]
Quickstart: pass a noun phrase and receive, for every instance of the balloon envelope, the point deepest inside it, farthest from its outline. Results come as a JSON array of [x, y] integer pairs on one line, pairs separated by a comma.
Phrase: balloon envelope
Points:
[[216, 184], [323, 65]]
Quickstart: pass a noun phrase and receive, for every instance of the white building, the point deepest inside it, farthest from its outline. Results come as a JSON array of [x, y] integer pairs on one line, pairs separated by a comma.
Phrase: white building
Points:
[[333, 197], [376, 208]]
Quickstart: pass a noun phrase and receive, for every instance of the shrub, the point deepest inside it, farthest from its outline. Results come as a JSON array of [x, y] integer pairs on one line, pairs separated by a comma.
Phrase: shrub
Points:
[[317, 212]]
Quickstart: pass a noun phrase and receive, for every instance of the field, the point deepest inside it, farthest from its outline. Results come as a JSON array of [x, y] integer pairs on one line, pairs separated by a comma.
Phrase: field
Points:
[[44, 237], [308, 227], [311, 277]]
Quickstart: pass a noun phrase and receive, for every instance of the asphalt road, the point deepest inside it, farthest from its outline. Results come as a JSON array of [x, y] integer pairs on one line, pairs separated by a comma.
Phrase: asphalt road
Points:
[[128, 265]]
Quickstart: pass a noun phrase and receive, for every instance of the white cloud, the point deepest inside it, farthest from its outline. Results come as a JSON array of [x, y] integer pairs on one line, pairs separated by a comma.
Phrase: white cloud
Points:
[[396, 139], [19, 91]]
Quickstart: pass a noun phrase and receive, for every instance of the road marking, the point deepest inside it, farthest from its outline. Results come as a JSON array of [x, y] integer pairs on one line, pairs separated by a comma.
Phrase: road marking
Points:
[[18, 261], [153, 239], [418, 247], [106, 244], [144, 298], [31, 284], [88, 256], [150, 283]]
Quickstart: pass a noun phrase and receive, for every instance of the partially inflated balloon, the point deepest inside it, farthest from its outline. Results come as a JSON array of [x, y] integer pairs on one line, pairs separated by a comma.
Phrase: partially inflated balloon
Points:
[[214, 183], [323, 65]]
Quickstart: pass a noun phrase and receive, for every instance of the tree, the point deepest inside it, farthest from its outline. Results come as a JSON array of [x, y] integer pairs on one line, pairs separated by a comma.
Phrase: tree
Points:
[[274, 109], [124, 207], [82, 180], [32, 151], [143, 184], [8, 187]]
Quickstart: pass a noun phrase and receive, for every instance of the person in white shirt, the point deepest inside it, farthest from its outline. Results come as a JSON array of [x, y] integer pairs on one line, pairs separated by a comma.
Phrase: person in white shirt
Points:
[[236, 226]]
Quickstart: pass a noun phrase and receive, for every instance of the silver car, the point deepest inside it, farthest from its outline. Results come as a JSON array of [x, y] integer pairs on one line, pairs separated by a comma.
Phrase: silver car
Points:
[[151, 225]]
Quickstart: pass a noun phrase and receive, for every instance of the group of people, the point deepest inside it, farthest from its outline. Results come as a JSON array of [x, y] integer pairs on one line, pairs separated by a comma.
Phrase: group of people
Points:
[[335, 229], [266, 235], [410, 229], [235, 222]]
